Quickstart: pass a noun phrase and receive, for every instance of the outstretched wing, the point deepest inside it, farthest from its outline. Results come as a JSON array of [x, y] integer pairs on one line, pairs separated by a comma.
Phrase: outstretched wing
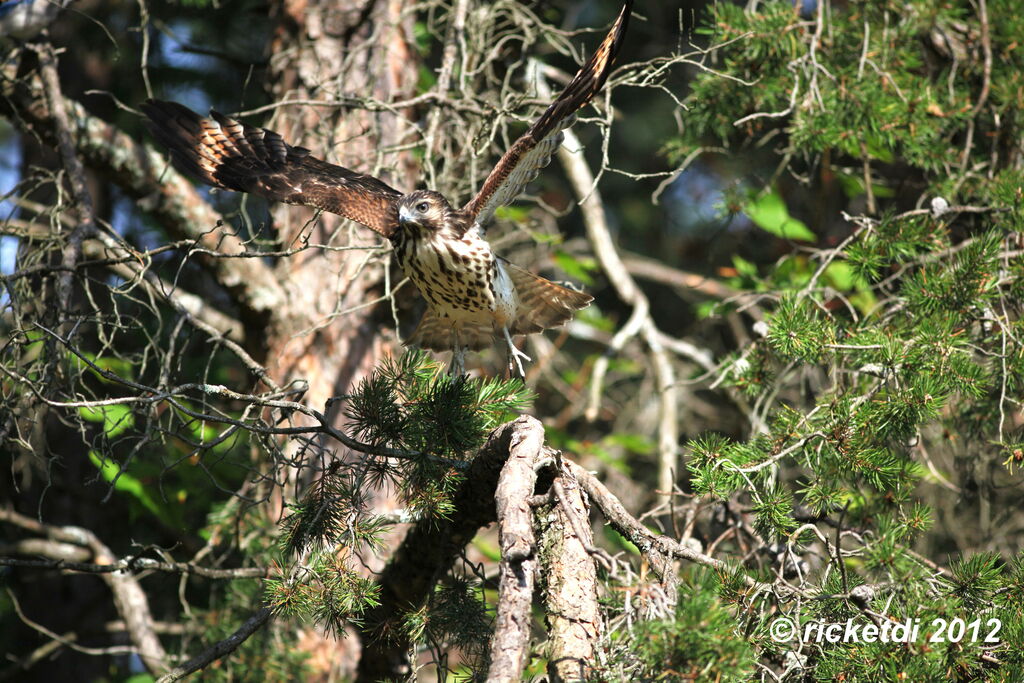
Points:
[[224, 153], [533, 150], [542, 303]]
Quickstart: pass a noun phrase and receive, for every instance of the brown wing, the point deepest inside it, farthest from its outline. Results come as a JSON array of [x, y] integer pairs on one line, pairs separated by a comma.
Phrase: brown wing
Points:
[[533, 150], [224, 153], [542, 303]]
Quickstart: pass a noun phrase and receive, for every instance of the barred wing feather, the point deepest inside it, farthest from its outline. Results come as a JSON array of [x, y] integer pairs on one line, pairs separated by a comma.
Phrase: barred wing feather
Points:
[[532, 152], [225, 153]]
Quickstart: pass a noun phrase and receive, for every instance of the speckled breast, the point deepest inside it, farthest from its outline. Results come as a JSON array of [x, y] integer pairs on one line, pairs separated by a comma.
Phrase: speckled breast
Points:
[[455, 276]]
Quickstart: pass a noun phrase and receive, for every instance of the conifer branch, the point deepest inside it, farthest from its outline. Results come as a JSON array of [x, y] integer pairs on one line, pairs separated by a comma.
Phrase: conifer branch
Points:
[[427, 552]]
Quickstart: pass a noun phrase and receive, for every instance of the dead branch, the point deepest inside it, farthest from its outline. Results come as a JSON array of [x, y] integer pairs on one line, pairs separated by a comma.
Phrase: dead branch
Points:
[[70, 638], [658, 549], [147, 176], [76, 175], [683, 281], [127, 564], [570, 579], [129, 598], [510, 646], [195, 308], [428, 551], [219, 649], [641, 322]]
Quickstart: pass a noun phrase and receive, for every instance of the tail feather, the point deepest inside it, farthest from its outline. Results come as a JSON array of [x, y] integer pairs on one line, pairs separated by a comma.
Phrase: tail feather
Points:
[[439, 334], [542, 303]]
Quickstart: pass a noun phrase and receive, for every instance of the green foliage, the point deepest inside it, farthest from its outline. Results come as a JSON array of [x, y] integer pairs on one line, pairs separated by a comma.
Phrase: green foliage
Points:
[[410, 403], [868, 436], [700, 642], [975, 578], [260, 657], [579, 269], [432, 422], [883, 108], [773, 510], [894, 346], [769, 212], [115, 418], [797, 330], [130, 485], [613, 450], [456, 614]]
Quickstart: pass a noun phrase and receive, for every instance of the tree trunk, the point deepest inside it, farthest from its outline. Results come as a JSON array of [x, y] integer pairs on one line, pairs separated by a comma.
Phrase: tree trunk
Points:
[[327, 50], [326, 335]]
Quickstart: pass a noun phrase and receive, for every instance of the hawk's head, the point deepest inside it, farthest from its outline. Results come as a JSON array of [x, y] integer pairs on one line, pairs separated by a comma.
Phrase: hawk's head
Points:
[[426, 211]]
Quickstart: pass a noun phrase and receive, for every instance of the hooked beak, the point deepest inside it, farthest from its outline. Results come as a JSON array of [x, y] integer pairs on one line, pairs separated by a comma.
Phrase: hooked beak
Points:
[[405, 216]]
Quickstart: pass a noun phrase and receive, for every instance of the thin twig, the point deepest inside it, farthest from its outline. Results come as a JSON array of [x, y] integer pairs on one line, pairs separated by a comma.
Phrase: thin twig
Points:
[[76, 175], [219, 649]]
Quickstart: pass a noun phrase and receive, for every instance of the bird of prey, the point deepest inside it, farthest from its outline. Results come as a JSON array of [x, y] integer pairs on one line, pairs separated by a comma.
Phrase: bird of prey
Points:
[[472, 295]]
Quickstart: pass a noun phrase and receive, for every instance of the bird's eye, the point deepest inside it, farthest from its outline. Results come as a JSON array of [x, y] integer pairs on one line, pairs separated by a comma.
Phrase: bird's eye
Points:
[[422, 207]]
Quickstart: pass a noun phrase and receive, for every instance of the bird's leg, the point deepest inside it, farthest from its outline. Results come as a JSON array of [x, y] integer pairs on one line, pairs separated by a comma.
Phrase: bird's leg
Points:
[[514, 354], [458, 366]]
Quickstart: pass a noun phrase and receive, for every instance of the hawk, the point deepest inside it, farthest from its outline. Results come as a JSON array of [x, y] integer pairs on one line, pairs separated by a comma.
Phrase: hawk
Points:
[[472, 295]]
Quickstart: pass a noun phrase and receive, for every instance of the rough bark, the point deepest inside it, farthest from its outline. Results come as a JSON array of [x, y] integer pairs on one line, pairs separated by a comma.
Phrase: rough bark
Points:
[[323, 50], [510, 646], [570, 581], [327, 335]]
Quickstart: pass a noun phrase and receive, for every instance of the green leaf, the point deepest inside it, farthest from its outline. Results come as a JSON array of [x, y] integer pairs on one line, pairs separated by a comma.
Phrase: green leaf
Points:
[[769, 213], [620, 541], [115, 418], [489, 550], [843, 277], [140, 678], [637, 443], [576, 268], [512, 214], [207, 434], [127, 484], [593, 316], [422, 39], [743, 266]]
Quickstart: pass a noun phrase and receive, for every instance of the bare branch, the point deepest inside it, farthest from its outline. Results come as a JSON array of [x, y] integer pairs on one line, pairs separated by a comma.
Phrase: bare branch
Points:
[[428, 550], [129, 598], [641, 322], [510, 646], [134, 564], [76, 174], [219, 649], [147, 176]]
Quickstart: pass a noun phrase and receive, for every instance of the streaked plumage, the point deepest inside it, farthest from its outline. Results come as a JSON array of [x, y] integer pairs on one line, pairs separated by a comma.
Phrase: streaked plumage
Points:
[[470, 292], [472, 295]]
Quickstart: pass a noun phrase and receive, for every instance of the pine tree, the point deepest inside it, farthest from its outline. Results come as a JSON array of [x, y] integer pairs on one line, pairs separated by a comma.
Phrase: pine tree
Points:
[[230, 475]]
